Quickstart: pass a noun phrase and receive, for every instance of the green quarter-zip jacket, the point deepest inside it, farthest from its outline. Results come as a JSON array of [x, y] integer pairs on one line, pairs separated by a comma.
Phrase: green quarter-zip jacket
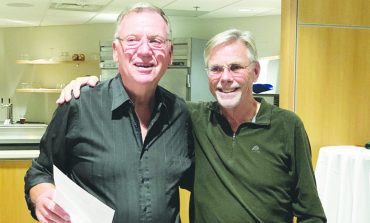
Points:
[[260, 173]]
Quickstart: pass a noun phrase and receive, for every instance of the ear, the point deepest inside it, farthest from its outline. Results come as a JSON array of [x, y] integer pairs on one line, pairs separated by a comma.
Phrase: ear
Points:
[[115, 48], [256, 71]]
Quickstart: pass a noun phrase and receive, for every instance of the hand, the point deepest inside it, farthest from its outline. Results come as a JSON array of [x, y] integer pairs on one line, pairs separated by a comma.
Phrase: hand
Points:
[[73, 88], [47, 211]]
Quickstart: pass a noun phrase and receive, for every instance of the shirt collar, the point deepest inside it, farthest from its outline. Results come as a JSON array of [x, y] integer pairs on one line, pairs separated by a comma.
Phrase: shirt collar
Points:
[[120, 96], [119, 93], [264, 114]]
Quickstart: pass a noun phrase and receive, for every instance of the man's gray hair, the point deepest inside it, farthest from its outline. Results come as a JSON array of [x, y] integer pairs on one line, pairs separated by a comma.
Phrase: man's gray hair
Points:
[[232, 35], [141, 7]]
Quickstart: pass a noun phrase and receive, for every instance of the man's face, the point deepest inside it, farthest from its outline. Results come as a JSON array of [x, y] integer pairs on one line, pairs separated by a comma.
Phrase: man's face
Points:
[[142, 61], [232, 85]]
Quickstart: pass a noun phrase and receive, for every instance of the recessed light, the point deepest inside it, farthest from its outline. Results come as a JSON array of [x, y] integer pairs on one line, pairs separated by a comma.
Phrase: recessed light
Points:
[[255, 10], [247, 10], [19, 4]]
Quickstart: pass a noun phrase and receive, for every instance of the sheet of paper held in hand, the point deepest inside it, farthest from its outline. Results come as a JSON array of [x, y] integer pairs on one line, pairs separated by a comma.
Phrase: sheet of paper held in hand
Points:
[[81, 206]]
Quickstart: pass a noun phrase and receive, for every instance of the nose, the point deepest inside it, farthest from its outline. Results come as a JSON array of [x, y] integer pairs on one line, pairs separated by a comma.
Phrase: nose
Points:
[[226, 68], [144, 48], [226, 74]]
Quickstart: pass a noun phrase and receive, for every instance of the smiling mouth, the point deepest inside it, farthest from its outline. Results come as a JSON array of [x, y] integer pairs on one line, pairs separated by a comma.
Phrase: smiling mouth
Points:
[[142, 65], [227, 90]]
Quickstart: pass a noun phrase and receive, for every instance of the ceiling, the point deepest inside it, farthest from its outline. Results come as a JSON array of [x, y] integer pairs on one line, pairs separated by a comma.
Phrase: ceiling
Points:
[[21, 13]]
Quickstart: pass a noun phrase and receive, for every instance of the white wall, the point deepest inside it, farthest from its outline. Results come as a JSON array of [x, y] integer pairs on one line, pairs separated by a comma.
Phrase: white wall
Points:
[[266, 30], [2, 65], [3, 78], [46, 42]]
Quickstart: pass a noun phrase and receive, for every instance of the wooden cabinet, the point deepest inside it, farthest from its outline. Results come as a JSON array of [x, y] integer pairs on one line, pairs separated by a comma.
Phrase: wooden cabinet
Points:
[[333, 80], [184, 205], [13, 205], [325, 72], [334, 12]]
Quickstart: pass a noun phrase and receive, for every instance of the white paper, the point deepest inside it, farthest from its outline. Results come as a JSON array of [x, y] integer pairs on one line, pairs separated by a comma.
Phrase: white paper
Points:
[[81, 206]]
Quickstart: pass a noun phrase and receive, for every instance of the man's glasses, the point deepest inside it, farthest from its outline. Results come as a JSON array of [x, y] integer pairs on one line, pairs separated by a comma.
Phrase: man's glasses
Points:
[[154, 42], [233, 68]]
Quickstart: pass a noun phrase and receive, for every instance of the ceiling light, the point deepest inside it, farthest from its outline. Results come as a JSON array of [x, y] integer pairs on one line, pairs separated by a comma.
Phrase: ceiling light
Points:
[[255, 10], [19, 4], [76, 7], [13, 21], [247, 10]]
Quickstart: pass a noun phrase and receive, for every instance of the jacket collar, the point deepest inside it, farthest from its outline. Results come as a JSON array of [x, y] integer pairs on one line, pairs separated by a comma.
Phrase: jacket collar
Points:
[[263, 117]]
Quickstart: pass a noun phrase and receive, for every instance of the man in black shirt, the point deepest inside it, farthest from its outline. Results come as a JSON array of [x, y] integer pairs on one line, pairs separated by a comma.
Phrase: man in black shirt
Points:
[[126, 141]]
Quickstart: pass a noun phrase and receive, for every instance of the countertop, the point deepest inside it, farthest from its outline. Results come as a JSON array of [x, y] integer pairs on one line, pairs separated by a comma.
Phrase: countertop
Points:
[[20, 142], [18, 154], [20, 150]]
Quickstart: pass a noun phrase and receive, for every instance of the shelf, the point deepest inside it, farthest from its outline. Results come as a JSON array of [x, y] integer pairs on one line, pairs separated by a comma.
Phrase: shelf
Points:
[[46, 62], [38, 90]]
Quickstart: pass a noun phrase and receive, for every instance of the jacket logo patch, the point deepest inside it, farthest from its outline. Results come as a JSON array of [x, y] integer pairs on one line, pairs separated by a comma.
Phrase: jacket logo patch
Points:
[[256, 149]]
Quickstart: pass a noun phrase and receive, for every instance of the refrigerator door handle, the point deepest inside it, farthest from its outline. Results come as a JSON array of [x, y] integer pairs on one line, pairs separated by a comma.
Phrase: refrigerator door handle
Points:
[[188, 80]]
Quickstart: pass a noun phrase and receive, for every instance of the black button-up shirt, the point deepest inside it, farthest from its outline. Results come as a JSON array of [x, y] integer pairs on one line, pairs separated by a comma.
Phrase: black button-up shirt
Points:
[[96, 141]]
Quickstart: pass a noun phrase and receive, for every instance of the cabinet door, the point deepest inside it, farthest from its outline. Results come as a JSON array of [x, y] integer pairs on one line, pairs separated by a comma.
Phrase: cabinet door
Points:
[[338, 12], [325, 71], [333, 79], [13, 206]]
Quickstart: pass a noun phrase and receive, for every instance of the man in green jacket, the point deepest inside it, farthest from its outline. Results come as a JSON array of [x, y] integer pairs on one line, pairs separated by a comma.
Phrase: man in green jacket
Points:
[[252, 159]]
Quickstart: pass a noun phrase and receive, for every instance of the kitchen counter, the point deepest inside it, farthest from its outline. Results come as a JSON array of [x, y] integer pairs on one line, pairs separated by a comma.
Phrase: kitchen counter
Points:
[[18, 154], [20, 141], [20, 150]]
